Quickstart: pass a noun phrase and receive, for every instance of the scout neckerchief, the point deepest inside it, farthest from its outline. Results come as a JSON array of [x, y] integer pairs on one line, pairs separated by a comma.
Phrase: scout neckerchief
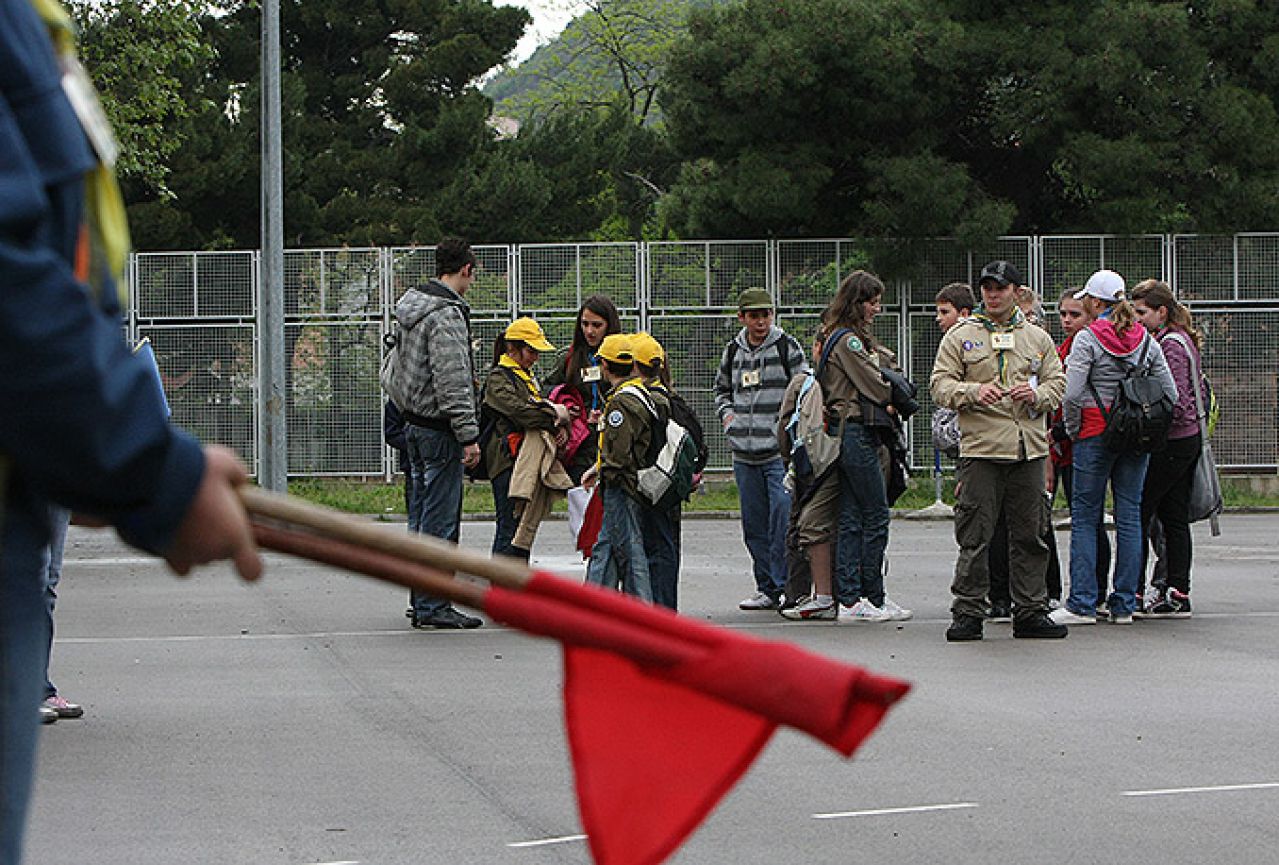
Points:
[[1018, 319], [103, 246], [508, 362], [638, 384]]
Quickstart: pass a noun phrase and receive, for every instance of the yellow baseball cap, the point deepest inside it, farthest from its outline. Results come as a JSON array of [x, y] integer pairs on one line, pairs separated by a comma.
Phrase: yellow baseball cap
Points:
[[527, 331], [646, 349], [616, 348]]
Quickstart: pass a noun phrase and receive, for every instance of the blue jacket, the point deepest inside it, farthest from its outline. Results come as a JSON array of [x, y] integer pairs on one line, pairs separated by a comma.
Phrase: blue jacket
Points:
[[81, 420]]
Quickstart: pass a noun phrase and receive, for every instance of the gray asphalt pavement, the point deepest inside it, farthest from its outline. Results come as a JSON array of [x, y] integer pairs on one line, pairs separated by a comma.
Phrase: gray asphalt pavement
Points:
[[300, 720]]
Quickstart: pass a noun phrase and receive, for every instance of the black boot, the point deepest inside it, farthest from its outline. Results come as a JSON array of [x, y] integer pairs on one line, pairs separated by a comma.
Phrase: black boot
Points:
[[964, 629]]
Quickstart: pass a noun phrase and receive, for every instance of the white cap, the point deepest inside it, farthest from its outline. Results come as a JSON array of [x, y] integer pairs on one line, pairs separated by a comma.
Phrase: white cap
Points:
[[1104, 285]]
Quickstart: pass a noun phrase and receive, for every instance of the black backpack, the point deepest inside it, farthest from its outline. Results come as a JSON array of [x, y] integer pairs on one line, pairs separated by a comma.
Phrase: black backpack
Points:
[[683, 414], [1141, 416]]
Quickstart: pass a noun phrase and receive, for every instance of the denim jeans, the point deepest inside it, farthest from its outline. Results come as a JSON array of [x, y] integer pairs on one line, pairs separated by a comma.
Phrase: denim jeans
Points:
[[59, 519], [863, 518], [660, 530], [618, 559], [1094, 466], [435, 459], [24, 639], [765, 513], [504, 515]]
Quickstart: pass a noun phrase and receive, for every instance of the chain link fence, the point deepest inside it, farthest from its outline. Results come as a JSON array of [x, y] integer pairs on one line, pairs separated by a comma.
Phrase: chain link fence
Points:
[[198, 309]]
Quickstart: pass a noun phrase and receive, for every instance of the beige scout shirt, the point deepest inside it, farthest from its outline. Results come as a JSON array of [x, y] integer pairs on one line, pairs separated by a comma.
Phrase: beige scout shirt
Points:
[[968, 358], [853, 370]]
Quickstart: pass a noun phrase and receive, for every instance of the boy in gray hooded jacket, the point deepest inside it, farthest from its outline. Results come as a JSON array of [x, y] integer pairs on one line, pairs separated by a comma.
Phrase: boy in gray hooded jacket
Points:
[[753, 374], [429, 374]]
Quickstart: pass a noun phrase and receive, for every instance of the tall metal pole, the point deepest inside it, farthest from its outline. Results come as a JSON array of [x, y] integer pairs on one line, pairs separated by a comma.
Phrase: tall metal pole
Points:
[[273, 436]]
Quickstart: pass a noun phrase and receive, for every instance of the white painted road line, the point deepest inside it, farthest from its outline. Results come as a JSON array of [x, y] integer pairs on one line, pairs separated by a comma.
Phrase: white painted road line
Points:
[[1224, 788], [544, 841], [913, 809]]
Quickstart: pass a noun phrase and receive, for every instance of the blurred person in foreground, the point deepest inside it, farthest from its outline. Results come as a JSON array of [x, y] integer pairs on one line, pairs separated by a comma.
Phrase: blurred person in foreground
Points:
[[84, 425]]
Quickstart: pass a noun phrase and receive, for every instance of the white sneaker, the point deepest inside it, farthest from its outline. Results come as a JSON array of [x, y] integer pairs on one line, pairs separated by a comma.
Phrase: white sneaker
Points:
[[758, 601], [862, 611], [1063, 616], [896, 612], [812, 609]]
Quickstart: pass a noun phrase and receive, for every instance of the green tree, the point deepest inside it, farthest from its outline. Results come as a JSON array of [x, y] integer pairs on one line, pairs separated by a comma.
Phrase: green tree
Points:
[[1125, 116], [381, 111], [820, 117], [139, 53]]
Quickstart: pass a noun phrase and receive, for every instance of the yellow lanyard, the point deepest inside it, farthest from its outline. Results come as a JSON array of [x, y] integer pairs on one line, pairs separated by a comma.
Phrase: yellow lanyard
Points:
[[507, 362], [108, 235]]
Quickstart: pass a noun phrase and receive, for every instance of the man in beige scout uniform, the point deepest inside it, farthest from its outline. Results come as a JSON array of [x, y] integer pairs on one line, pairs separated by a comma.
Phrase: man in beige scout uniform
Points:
[[1002, 375]]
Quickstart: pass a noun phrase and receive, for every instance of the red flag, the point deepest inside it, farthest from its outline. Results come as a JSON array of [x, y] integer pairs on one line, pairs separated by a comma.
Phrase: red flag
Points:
[[592, 521], [650, 695]]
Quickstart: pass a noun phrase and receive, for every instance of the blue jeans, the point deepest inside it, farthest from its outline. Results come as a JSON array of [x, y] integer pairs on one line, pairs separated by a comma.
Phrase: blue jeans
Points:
[[765, 513], [506, 522], [661, 530], [618, 559], [24, 640], [435, 459], [863, 518], [1094, 466], [59, 519]]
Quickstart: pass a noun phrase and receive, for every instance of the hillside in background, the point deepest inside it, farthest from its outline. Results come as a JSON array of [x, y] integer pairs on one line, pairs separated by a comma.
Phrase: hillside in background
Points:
[[616, 50]]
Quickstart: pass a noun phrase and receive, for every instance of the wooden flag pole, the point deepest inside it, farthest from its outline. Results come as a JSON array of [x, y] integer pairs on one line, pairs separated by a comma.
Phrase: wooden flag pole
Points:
[[433, 553]]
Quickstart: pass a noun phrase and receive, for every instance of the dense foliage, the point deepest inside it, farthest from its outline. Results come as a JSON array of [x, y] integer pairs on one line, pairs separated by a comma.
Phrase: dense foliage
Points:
[[679, 118]]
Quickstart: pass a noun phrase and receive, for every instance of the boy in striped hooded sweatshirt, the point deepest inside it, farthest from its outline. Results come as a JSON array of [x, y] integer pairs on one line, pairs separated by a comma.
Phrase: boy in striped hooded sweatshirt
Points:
[[753, 374]]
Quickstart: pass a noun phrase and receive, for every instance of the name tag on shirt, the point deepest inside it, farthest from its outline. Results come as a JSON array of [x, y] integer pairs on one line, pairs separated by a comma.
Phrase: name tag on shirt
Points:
[[1003, 341], [590, 374], [750, 378]]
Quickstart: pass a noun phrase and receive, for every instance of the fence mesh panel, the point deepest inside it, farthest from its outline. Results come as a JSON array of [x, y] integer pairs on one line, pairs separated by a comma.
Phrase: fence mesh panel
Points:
[[198, 309]]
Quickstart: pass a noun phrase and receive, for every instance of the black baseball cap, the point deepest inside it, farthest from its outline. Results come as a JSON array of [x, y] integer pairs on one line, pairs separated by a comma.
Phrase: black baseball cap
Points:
[[1003, 272]]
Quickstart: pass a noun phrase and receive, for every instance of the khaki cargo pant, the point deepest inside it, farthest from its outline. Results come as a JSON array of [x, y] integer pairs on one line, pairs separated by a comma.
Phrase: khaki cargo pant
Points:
[[1018, 489]]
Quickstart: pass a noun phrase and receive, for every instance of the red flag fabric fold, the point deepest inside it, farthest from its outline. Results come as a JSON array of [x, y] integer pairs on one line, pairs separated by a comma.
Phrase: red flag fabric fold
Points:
[[650, 759], [838, 703], [664, 713]]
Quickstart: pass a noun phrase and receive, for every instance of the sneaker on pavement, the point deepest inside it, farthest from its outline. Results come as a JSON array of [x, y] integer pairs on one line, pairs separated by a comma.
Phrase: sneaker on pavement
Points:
[[1102, 612], [964, 629], [446, 618], [63, 707], [47, 715], [1040, 626], [862, 612], [896, 612], [758, 601], [811, 609], [1066, 616], [1173, 605], [1121, 618], [1000, 611]]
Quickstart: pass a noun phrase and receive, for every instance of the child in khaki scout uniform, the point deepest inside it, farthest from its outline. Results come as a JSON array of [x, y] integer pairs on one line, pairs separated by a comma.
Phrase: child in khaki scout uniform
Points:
[[618, 558], [512, 396], [659, 528], [814, 516]]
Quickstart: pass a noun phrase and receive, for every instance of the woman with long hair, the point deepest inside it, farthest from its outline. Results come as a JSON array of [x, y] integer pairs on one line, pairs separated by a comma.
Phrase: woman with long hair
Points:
[[1166, 494], [855, 390], [575, 379], [1102, 356]]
